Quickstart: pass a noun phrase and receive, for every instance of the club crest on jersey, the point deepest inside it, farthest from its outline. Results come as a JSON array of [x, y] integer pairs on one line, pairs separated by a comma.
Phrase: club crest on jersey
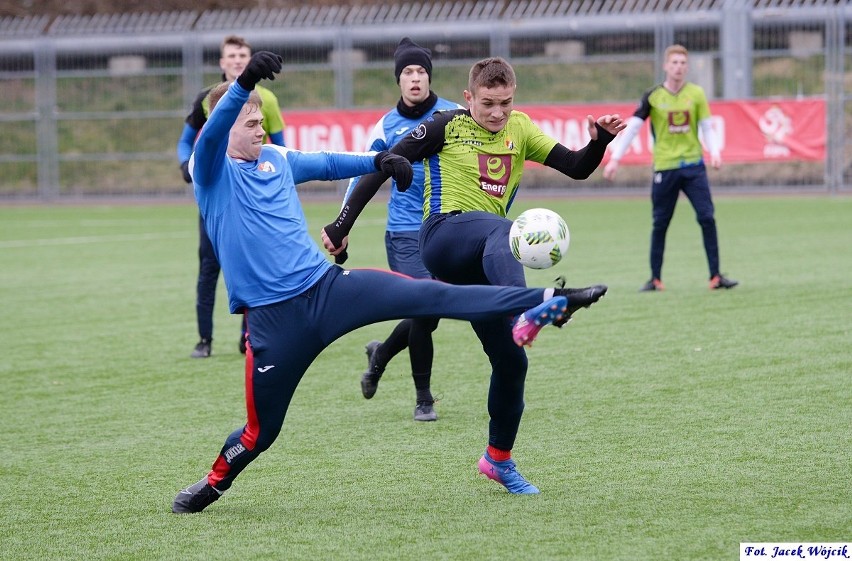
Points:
[[509, 144], [419, 132], [494, 173], [266, 166], [678, 122]]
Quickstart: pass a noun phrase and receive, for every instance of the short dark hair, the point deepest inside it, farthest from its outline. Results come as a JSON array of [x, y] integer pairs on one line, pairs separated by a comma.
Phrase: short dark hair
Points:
[[235, 40], [490, 72]]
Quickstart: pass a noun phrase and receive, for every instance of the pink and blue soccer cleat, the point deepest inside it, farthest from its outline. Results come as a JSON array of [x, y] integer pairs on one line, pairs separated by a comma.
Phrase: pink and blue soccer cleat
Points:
[[506, 474], [529, 323]]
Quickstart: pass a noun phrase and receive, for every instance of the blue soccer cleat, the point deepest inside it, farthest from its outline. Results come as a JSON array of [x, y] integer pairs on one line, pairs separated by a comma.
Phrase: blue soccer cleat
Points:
[[529, 323], [506, 474]]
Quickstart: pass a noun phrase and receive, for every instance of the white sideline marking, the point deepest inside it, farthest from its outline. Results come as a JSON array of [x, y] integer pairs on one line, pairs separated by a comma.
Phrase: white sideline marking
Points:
[[95, 239], [78, 240]]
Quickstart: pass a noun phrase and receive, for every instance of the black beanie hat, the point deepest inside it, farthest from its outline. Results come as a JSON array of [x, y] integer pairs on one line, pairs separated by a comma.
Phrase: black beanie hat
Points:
[[408, 52]]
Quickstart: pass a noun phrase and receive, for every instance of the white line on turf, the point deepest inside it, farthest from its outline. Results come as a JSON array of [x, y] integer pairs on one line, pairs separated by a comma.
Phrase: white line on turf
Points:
[[77, 240]]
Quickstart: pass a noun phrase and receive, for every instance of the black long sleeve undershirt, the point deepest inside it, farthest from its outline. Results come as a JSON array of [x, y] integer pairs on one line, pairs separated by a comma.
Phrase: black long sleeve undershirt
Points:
[[366, 189], [577, 164], [581, 163]]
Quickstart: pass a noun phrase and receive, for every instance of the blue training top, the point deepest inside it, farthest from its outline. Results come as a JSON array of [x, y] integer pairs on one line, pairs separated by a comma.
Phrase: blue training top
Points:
[[405, 210], [252, 212]]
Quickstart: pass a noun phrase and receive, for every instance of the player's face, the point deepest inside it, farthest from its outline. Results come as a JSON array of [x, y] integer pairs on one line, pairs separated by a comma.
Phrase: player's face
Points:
[[414, 84], [491, 107], [676, 67], [246, 135], [234, 60]]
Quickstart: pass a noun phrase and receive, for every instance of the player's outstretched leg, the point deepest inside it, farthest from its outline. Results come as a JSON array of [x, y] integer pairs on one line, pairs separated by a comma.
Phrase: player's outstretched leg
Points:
[[506, 474], [557, 311], [370, 378], [195, 498]]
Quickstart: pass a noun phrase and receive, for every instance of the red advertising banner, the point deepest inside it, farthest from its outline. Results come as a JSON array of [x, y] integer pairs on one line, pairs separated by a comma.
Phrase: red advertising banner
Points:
[[749, 131]]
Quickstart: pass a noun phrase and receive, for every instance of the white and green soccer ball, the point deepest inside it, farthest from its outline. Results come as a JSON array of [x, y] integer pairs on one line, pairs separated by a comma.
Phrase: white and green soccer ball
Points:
[[539, 238]]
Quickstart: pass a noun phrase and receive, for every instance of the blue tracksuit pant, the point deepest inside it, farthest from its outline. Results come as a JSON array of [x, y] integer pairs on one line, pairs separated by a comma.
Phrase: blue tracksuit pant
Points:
[[285, 338], [666, 188]]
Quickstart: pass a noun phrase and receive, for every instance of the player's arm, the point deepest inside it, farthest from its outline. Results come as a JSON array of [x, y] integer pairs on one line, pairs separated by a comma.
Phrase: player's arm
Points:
[[193, 123], [277, 138], [184, 149], [426, 139], [375, 143], [579, 164], [711, 142], [634, 123], [705, 125], [327, 165], [388, 165], [212, 145], [273, 122]]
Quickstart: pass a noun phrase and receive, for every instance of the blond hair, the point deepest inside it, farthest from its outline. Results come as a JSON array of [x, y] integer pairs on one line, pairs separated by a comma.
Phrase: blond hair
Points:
[[675, 50], [218, 91]]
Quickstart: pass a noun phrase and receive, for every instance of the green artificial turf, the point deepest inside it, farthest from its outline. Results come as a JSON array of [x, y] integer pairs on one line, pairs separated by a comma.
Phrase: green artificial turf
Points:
[[669, 425]]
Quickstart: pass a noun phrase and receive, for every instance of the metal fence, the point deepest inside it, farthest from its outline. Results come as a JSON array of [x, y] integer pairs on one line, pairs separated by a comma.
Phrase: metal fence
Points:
[[94, 105]]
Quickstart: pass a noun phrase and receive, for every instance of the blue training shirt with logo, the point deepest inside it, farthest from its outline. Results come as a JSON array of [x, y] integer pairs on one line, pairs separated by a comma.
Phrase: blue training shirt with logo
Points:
[[253, 214]]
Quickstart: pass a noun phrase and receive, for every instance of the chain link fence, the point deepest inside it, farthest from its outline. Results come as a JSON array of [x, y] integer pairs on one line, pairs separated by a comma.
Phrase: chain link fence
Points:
[[94, 105]]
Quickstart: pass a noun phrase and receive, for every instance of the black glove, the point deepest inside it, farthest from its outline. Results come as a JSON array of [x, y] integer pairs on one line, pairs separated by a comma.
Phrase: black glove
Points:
[[397, 167], [262, 64], [341, 257], [184, 167]]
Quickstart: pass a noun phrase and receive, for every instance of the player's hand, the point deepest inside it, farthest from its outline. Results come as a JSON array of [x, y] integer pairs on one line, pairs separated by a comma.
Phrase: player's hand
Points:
[[397, 167], [333, 246], [609, 169], [184, 168], [613, 124], [716, 161], [263, 64]]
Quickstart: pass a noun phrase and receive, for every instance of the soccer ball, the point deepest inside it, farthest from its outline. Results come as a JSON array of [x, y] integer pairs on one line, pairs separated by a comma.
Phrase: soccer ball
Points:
[[539, 238]]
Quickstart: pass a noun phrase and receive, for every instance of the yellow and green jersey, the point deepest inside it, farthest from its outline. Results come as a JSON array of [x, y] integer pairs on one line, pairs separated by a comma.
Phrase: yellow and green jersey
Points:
[[470, 168], [674, 124]]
